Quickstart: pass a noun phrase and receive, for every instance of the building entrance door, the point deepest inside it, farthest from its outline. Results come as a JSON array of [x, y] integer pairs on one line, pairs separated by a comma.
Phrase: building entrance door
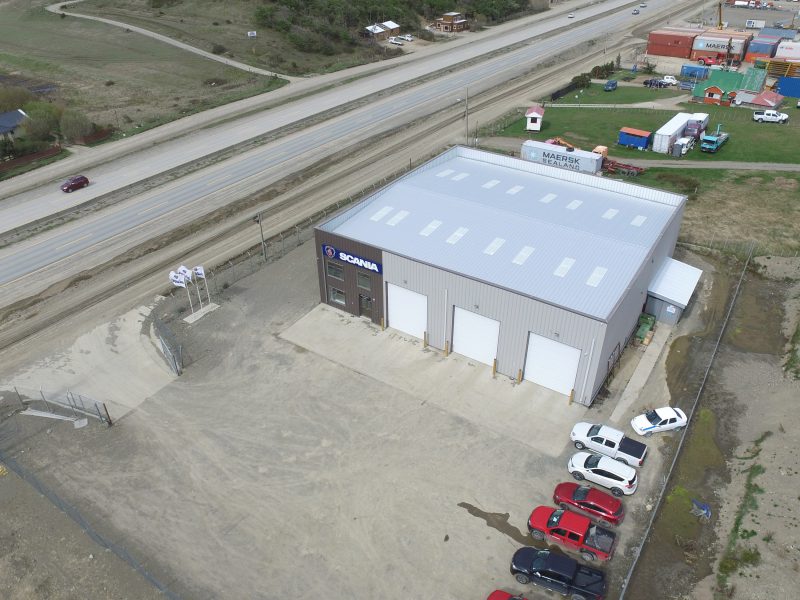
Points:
[[365, 306]]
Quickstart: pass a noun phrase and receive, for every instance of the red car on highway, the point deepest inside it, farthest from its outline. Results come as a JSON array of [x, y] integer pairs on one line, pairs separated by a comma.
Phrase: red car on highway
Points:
[[75, 183], [604, 508]]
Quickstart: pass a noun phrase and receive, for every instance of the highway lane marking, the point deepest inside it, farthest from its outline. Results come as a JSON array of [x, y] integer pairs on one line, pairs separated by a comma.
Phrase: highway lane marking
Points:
[[75, 241], [146, 210]]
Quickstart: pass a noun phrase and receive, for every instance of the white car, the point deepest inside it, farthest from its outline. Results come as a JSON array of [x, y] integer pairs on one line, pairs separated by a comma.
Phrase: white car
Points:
[[660, 419], [670, 79], [396, 41], [571, 16], [602, 470], [407, 37]]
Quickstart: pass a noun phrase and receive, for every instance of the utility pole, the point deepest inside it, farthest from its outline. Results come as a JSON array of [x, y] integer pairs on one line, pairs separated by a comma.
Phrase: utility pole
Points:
[[466, 117]]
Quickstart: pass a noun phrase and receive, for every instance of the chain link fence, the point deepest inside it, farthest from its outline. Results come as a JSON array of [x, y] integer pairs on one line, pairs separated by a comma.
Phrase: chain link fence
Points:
[[62, 404]]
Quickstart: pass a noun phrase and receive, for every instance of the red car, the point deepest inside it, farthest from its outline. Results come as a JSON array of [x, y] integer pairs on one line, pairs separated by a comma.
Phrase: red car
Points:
[[501, 595], [74, 183], [573, 531], [605, 508]]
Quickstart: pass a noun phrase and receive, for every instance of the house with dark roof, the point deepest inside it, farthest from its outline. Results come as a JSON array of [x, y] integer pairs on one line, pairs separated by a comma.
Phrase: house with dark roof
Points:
[[10, 122]]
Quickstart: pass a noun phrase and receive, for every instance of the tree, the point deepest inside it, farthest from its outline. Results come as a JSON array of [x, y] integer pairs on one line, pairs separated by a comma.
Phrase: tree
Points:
[[13, 97], [75, 125], [43, 121]]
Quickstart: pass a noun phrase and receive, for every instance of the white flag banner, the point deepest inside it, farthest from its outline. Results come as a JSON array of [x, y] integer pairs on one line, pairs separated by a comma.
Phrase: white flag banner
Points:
[[185, 272], [177, 279], [200, 272]]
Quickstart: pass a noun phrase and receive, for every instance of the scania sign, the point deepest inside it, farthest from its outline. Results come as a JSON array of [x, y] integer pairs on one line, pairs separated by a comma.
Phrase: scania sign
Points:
[[343, 256]]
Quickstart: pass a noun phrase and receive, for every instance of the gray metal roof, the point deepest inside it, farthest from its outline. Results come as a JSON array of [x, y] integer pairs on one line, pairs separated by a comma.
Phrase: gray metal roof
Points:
[[561, 236]]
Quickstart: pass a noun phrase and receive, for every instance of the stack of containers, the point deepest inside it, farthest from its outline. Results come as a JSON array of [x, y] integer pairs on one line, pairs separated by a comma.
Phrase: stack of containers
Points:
[[788, 51], [715, 42], [671, 41], [777, 32], [761, 47]]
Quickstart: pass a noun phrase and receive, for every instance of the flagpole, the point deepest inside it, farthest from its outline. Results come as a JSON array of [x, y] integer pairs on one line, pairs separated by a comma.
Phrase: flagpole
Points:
[[198, 294], [189, 295], [207, 292]]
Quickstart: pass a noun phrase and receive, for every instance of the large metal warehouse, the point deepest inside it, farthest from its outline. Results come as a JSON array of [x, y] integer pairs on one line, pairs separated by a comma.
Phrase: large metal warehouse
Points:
[[537, 270]]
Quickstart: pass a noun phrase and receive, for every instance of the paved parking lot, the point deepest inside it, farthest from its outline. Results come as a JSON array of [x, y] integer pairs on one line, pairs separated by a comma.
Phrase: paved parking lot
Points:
[[306, 453]]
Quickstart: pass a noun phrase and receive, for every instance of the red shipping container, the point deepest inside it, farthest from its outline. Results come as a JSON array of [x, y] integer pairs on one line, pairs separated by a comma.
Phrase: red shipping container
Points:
[[674, 51], [672, 38]]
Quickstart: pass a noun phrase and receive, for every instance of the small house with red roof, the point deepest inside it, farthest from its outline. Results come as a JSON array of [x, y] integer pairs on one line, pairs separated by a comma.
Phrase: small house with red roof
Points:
[[533, 118]]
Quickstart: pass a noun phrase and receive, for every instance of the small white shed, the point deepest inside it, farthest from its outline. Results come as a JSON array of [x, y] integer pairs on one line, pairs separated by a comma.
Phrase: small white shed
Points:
[[533, 118]]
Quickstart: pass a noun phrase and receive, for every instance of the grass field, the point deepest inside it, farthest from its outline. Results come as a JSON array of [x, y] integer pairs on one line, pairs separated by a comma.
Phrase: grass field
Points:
[[121, 79], [203, 24], [588, 127], [735, 206], [624, 94]]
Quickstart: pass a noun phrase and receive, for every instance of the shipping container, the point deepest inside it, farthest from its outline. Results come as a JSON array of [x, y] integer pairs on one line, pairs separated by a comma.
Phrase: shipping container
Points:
[[761, 45], [752, 57], [776, 32], [559, 156], [789, 86], [712, 45], [788, 51], [665, 137], [673, 51], [673, 37], [697, 72], [754, 24], [634, 138]]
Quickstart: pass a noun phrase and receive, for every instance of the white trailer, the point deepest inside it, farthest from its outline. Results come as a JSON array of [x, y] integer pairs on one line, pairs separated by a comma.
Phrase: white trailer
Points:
[[665, 137]]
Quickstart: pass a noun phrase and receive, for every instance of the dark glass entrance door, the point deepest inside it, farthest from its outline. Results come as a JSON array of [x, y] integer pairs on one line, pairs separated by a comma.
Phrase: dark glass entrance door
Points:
[[365, 306]]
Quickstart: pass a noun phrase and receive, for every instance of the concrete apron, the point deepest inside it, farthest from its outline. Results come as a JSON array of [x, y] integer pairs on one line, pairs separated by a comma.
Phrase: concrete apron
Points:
[[527, 413]]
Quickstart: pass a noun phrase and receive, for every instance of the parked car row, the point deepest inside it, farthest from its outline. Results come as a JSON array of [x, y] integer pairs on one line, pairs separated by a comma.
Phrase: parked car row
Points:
[[398, 40], [582, 517]]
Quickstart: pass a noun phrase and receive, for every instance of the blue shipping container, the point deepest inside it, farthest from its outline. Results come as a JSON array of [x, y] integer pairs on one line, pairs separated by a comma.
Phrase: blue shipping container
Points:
[[789, 86], [694, 71], [633, 138]]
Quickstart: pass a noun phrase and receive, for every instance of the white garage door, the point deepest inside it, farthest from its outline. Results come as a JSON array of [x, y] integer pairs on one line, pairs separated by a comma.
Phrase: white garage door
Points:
[[551, 364], [475, 336], [408, 311]]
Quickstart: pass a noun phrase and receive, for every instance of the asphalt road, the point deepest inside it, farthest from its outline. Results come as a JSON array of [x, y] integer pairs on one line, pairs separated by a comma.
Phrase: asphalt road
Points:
[[179, 202]]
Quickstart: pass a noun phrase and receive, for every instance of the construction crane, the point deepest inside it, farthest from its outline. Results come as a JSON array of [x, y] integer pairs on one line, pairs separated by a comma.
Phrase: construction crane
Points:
[[719, 15]]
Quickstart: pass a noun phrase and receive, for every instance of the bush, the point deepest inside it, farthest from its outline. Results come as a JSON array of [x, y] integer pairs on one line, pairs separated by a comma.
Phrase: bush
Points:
[[13, 97], [75, 125], [218, 49]]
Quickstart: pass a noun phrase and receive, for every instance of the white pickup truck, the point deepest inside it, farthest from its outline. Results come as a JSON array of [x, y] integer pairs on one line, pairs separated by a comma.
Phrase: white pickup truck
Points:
[[770, 116], [609, 441], [669, 79]]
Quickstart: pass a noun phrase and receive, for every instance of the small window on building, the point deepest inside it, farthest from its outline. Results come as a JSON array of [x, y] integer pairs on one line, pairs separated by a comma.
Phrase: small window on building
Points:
[[364, 281], [337, 296], [335, 271]]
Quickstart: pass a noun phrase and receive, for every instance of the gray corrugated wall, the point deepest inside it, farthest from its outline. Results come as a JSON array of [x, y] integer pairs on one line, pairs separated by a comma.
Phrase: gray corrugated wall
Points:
[[517, 316], [626, 314]]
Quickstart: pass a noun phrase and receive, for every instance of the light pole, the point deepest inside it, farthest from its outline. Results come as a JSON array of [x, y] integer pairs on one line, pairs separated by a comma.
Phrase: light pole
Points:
[[257, 219]]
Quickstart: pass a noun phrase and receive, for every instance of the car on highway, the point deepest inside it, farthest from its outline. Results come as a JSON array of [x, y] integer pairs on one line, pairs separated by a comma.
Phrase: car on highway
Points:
[[655, 83], [658, 420], [642, 5], [604, 508], [605, 471], [635, 11], [407, 37], [571, 16], [74, 183], [396, 41]]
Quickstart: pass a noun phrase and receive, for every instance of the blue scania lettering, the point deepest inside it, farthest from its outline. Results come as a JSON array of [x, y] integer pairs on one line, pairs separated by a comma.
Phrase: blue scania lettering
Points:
[[352, 259]]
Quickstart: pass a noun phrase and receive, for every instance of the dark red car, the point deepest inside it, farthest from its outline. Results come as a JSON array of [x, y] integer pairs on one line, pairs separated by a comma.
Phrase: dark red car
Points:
[[74, 183], [501, 595], [603, 507]]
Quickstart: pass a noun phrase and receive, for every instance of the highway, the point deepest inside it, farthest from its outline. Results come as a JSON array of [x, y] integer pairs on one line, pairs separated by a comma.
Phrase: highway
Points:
[[135, 220]]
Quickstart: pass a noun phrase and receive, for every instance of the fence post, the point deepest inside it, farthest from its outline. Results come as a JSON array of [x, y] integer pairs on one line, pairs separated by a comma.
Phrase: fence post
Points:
[[45, 400], [21, 403]]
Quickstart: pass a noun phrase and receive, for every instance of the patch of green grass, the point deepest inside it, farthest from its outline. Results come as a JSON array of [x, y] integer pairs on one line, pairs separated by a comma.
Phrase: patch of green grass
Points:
[[736, 556], [589, 127], [624, 94], [676, 513], [746, 534], [701, 451]]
